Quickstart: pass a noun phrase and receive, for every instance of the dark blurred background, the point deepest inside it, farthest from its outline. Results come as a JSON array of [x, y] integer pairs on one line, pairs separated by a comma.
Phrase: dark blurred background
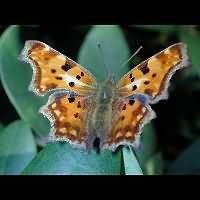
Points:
[[178, 119]]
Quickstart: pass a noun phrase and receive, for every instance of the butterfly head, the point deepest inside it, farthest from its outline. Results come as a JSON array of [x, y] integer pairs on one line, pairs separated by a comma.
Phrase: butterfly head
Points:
[[106, 89], [111, 78]]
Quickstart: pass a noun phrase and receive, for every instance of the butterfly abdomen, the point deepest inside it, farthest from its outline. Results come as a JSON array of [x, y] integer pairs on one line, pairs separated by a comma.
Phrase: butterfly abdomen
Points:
[[102, 115]]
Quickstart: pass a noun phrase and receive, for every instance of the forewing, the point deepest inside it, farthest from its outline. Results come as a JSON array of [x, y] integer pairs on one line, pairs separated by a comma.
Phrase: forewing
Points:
[[52, 70], [152, 76]]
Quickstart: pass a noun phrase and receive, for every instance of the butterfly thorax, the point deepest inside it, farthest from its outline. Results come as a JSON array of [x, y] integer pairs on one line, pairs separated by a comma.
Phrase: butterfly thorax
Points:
[[102, 114]]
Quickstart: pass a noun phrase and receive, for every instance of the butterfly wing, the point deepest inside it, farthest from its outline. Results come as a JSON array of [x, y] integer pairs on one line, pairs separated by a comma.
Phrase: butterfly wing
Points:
[[69, 116], [129, 116], [152, 76], [52, 70]]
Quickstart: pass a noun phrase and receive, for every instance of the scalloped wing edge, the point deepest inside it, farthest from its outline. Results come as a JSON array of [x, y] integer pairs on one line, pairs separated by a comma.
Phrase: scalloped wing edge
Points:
[[185, 62], [46, 113], [151, 115], [23, 56]]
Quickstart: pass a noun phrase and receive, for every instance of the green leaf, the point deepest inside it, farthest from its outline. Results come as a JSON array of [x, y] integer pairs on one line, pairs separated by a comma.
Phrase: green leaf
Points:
[[131, 164], [188, 162], [61, 158], [158, 28], [17, 148], [1, 128], [154, 166], [148, 145], [114, 51], [193, 42], [16, 77]]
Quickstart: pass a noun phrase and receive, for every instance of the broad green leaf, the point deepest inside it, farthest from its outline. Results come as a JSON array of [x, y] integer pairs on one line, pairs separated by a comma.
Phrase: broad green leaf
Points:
[[1, 128], [61, 158], [188, 161], [16, 77], [193, 42], [17, 148], [158, 28], [114, 51], [148, 145], [154, 166], [131, 164]]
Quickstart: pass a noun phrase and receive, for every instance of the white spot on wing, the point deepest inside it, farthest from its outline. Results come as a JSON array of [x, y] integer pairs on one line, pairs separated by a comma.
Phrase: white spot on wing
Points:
[[139, 117], [57, 112], [73, 132], [119, 134], [67, 78], [143, 109], [63, 130], [137, 83], [53, 105]]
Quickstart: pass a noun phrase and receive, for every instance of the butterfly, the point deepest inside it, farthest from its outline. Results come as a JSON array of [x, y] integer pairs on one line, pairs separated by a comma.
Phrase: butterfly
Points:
[[82, 109]]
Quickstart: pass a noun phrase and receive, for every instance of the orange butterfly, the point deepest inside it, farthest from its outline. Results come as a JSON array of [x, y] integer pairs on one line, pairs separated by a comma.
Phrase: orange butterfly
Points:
[[85, 109]]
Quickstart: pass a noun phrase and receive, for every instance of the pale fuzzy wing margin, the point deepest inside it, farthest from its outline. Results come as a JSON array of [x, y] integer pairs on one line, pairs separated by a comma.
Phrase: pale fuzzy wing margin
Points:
[[129, 117], [69, 118]]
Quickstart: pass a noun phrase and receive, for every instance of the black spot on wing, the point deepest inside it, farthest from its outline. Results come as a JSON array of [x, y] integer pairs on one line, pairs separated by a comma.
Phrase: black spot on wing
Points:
[[79, 104], [53, 71], [78, 77], [66, 67], [58, 78], [134, 87], [71, 99], [71, 84], [153, 75], [76, 115], [146, 82], [144, 68], [122, 118], [124, 107], [131, 102]]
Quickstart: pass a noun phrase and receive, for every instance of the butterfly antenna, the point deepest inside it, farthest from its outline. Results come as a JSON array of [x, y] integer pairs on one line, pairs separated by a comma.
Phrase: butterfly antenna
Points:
[[101, 52], [134, 54]]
